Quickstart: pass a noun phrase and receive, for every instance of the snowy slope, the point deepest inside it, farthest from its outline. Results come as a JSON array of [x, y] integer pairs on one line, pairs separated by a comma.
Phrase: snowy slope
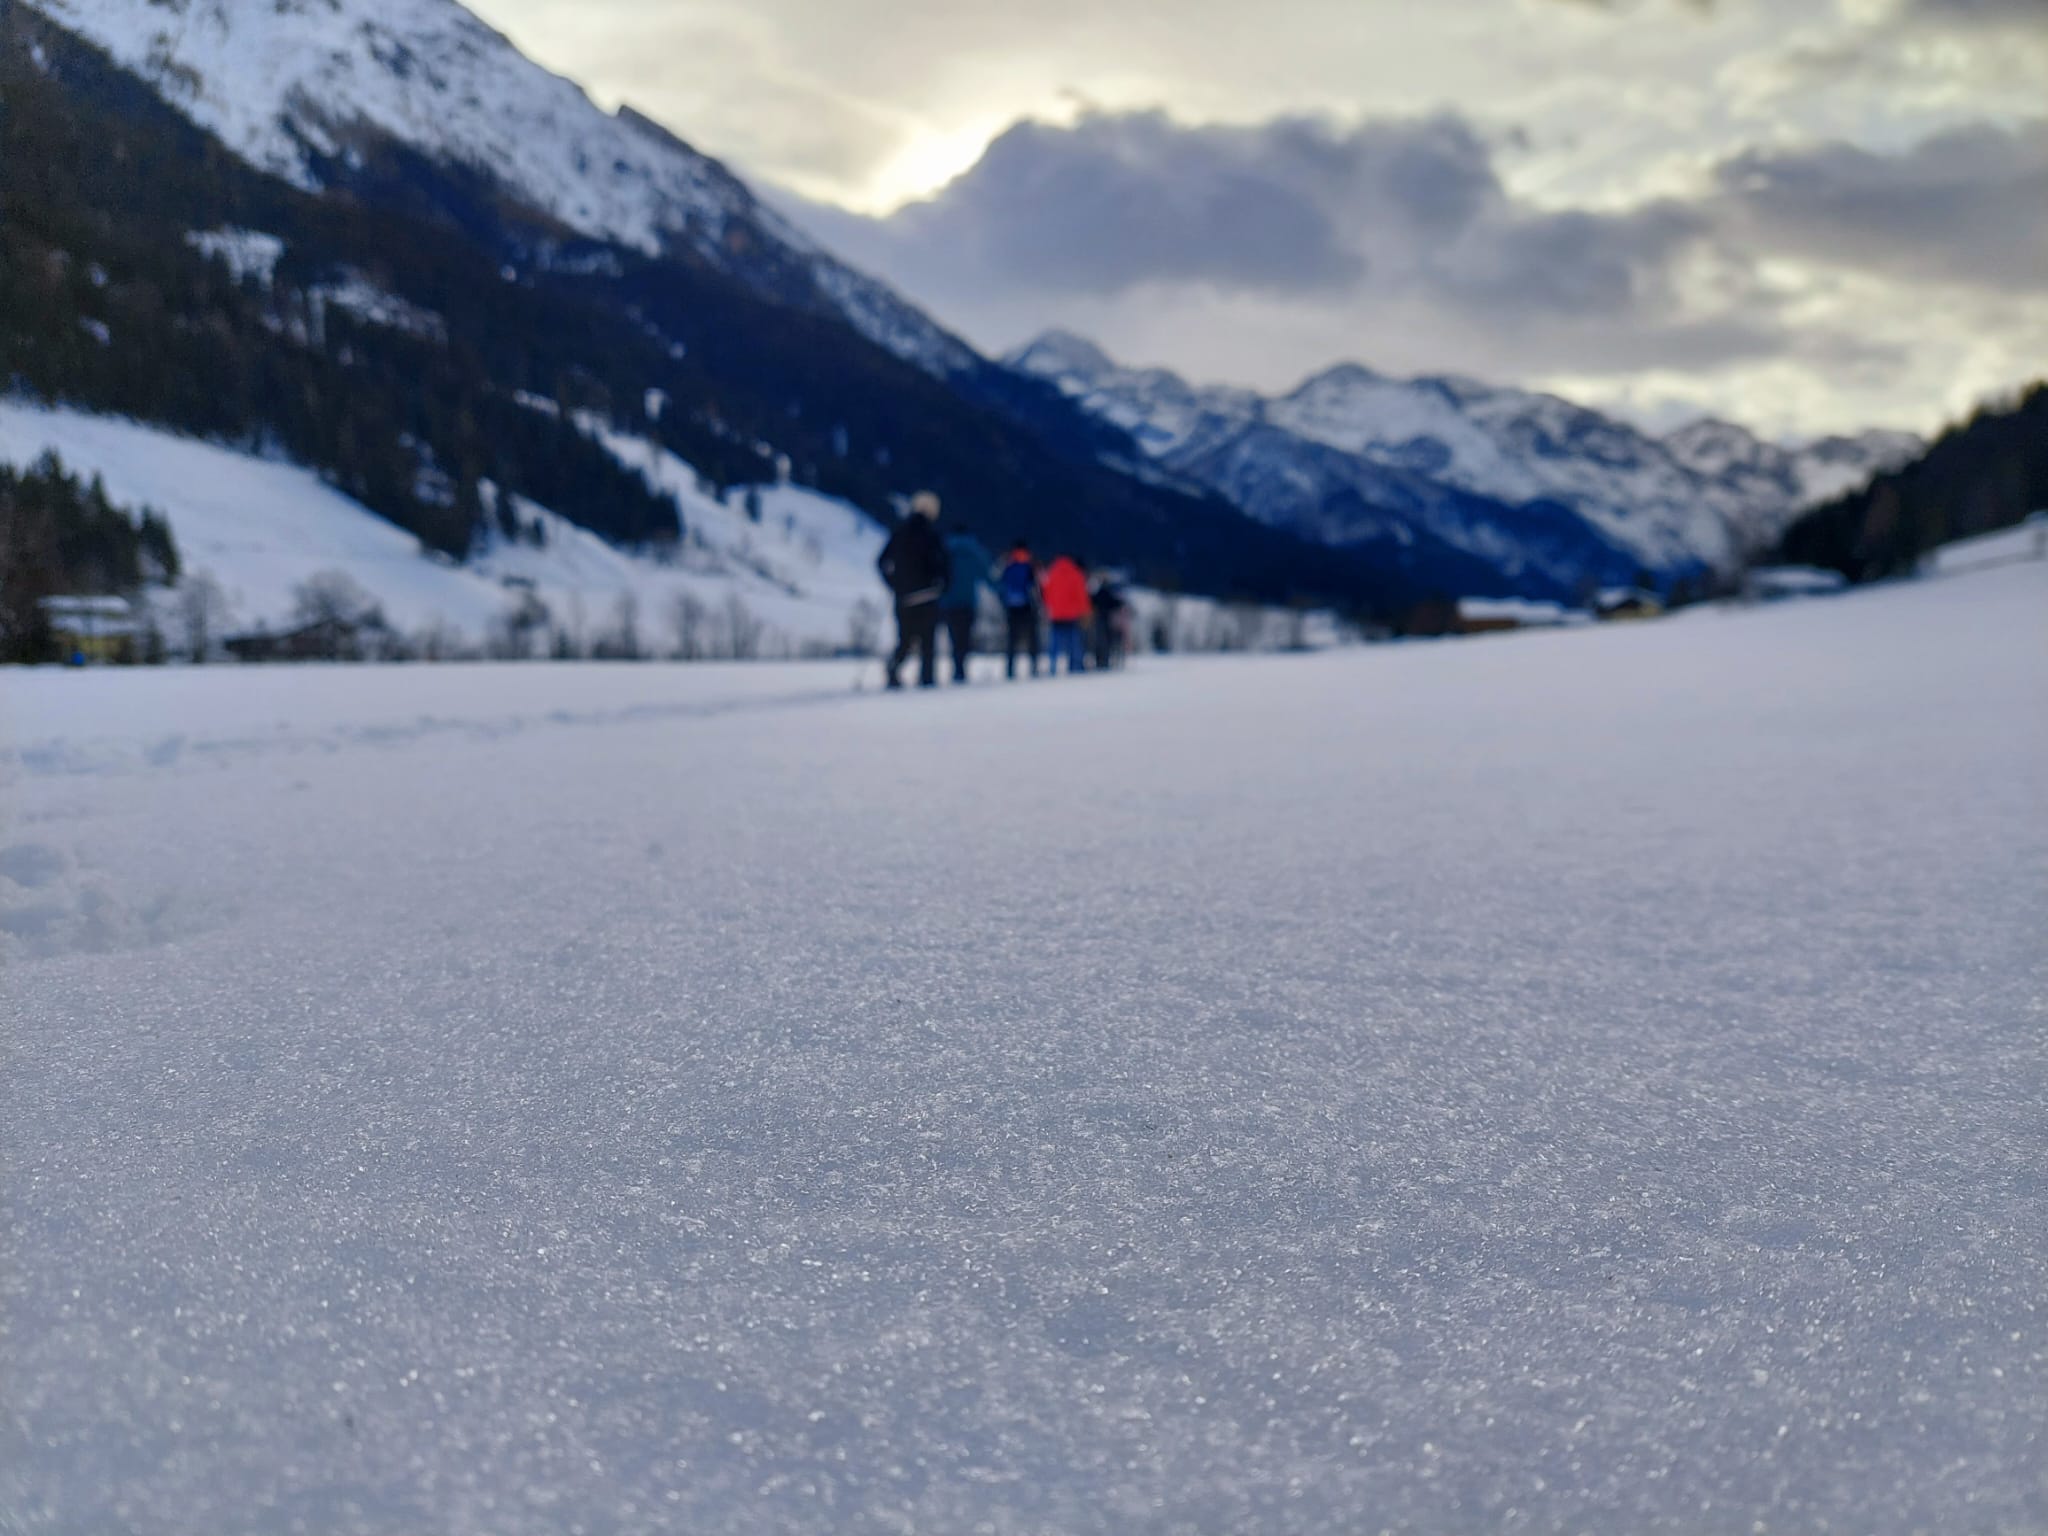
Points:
[[1587, 1082], [258, 526], [1705, 499], [293, 85], [2008, 546], [261, 527]]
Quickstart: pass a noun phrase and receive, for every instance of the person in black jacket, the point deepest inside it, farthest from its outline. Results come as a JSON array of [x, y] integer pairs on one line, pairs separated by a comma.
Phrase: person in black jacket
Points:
[[915, 564]]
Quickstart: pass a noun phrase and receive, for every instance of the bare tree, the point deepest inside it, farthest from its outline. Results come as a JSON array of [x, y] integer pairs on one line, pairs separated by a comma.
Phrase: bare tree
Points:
[[688, 617], [514, 631], [864, 628], [623, 642], [335, 603], [742, 628], [578, 643], [1166, 630], [437, 641], [334, 597], [202, 613], [1247, 627], [1296, 623]]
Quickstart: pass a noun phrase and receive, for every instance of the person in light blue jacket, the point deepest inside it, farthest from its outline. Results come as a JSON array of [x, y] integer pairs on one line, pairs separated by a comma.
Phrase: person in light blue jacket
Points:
[[971, 563]]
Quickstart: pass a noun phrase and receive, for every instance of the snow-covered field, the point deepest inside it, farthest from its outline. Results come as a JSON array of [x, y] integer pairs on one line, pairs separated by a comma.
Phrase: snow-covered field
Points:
[[1581, 1082], [802, 574]]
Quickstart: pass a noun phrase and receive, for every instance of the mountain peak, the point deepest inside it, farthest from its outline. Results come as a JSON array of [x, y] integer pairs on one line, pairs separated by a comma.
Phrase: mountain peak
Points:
[[1061, 352], [1339, 376], [639, 121]]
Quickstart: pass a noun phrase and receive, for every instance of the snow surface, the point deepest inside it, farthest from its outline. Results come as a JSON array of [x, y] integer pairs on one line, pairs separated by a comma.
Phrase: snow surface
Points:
[[1589, 1081], [261, 527]]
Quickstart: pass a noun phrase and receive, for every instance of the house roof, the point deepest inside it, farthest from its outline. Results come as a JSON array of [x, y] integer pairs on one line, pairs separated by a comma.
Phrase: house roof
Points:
[[88, 607]]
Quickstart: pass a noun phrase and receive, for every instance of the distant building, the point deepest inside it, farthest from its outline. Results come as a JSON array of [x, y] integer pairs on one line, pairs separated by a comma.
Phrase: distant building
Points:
[[324, 640], [1428, 618], [1777, 583], [93, 630], [1617, 603], [1494, 615]]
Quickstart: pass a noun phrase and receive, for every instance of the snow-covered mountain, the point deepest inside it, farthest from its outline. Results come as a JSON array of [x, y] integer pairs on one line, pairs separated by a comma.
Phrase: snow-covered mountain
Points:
[[1352, 456], [1778, 482], [303, 89]]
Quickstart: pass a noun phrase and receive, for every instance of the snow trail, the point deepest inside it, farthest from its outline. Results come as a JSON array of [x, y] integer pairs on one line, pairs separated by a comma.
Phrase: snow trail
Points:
[[1580, 1081]]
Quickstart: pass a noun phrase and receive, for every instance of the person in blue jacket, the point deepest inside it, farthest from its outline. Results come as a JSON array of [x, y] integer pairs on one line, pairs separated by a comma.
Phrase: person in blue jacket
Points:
[[1017, 587], [970, 562]]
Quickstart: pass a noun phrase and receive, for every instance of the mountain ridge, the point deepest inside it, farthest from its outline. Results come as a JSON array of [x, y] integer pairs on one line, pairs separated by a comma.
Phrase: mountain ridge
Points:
[[1688, 507]]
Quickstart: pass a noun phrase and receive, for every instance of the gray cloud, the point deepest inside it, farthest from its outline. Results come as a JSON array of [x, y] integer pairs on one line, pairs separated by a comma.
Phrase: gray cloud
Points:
[[1259, 253], [1968, 206], [1120, 200], [1394, 227], [1697, 7], [1977, 13]]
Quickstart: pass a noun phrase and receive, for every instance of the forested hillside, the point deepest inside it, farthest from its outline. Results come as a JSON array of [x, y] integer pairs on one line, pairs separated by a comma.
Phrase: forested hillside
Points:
[[1984, 475], [105, 302]]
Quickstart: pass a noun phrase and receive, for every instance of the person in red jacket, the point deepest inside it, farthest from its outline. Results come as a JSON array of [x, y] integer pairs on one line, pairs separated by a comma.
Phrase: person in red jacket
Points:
[[1064, 590]]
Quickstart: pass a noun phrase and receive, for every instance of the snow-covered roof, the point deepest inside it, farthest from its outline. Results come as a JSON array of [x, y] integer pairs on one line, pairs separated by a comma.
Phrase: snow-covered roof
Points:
[[1518, 610], [88, 607], [1795, 580]]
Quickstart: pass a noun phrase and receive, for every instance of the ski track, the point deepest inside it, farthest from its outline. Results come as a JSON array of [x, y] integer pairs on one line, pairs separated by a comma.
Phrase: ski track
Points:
[[1579, 1082]]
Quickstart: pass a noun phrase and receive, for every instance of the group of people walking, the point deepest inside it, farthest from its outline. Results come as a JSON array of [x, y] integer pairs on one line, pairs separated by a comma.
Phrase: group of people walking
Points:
[[1052, 610]]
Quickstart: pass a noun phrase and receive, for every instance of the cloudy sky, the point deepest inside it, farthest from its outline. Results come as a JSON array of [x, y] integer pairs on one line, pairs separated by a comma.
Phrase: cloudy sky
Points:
[[1805, 214]]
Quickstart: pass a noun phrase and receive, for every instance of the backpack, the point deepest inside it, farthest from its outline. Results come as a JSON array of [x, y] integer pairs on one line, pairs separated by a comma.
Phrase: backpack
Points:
[[1019, 584]]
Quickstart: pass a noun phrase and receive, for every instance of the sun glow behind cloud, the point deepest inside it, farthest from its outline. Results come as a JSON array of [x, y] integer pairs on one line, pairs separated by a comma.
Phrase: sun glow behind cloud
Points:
[[929, 159]]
